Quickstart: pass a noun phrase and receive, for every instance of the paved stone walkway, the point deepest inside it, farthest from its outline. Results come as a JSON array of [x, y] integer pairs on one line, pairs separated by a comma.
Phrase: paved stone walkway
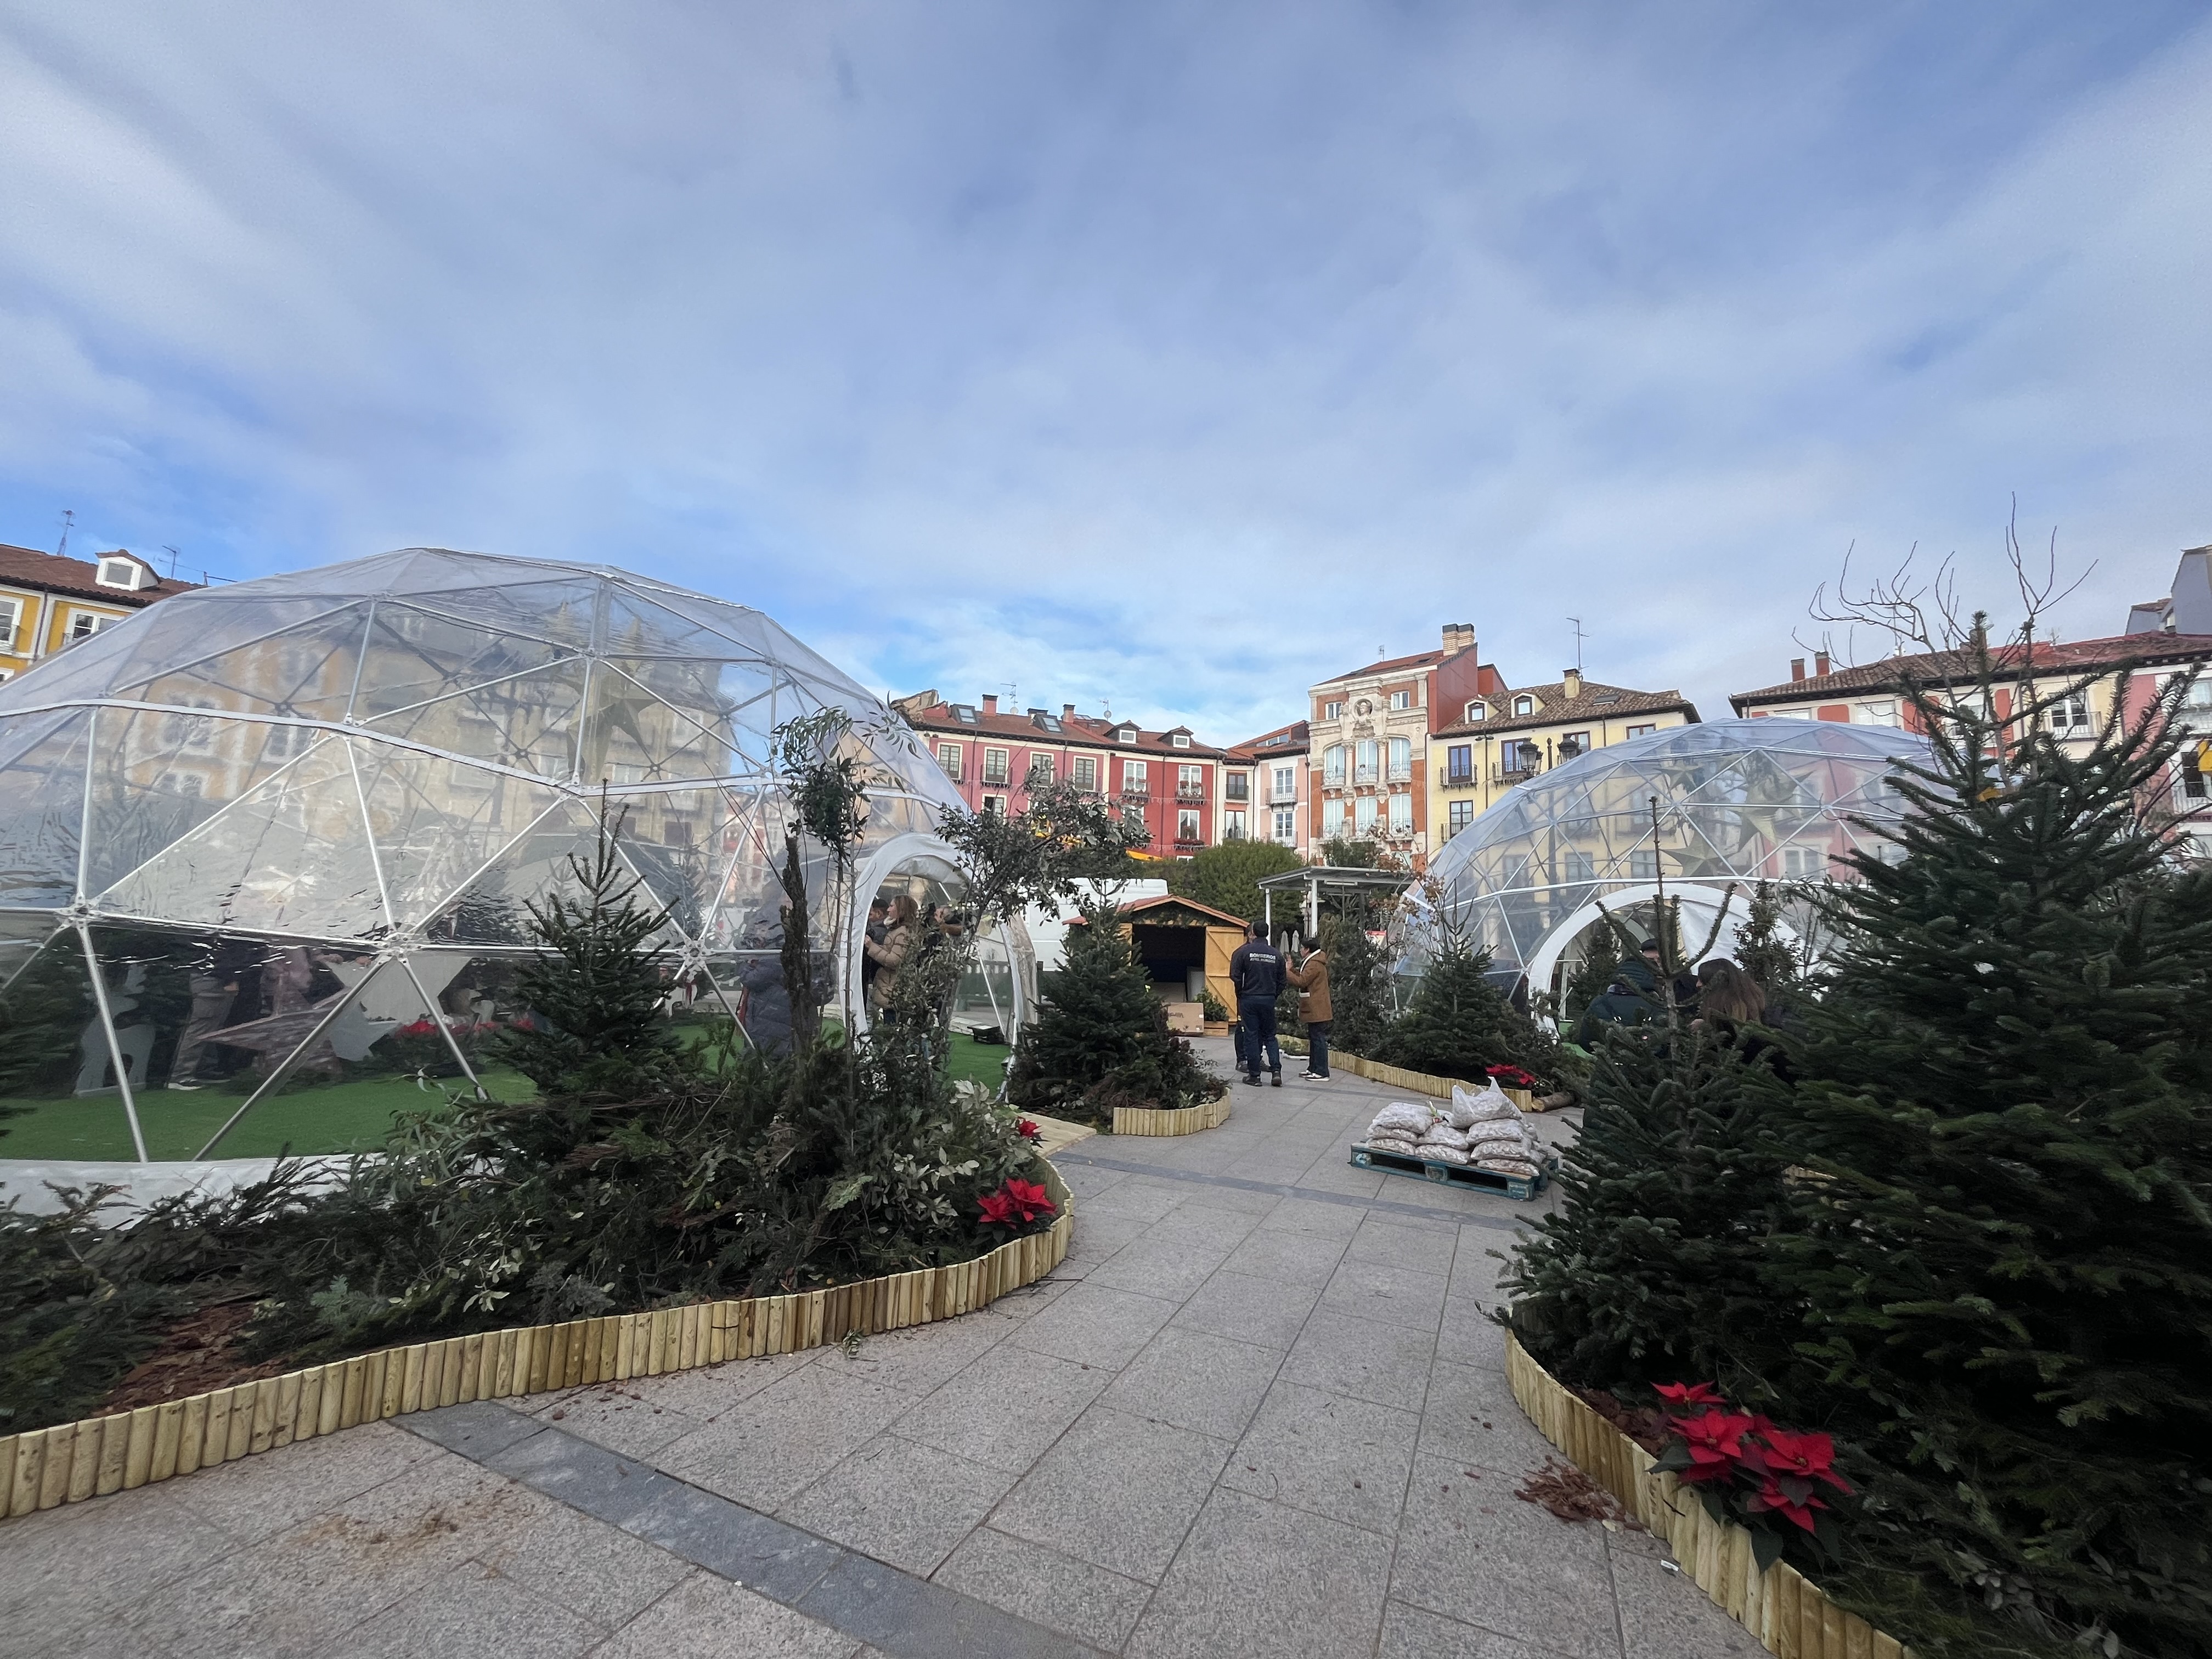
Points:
[[1259, 1411]]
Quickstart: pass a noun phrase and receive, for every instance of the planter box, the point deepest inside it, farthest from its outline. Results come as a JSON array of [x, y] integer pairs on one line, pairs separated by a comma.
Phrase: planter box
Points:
[[1175, 1120], [1419, 1083], [42, 1468], [1780, 1606]]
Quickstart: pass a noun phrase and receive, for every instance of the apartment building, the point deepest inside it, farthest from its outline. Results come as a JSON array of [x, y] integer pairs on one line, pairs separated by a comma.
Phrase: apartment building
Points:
[[1369, 742], [1168, 780], [1494, 740], [49, 602], [1264, 779]]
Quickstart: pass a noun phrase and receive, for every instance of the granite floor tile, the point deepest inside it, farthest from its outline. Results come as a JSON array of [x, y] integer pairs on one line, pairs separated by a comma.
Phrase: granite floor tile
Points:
[[1344, 1458], [472, 1612], [1256, 1580], [1095, 1325], [1413, 1633], [1007, 1409], [1117, 1492], [1469, 1336], [1267, 1312], [1471, 1415], [1391, 1293], [900, 1502], [593, 1569], [762, 1450], [256, 1498], [1195, 1380], [918, 1362], [1169, 1267], [1047, 1588], [1388, 1364], [64, 1569], [1469, 1550], [1286, 1255], [708, 1618], [621, 1418], [1664, 1615]]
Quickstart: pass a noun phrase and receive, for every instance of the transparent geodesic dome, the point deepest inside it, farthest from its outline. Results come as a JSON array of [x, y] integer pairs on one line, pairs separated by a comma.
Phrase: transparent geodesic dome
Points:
[[285, 832], [1738, 801]]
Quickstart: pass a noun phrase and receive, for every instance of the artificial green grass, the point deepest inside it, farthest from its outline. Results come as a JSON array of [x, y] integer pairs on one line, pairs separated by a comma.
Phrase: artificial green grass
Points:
[[336, 1117]]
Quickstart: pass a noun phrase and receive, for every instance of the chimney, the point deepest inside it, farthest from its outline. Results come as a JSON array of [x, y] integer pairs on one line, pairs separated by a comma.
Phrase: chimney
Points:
[[1797, 668], [1821, 663], [1573, 681], [1067, 712], [991, 702], [1459, 636]]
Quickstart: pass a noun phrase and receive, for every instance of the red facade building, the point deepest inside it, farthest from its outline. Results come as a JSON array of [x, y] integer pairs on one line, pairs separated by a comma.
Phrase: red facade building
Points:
[[1166, 779]]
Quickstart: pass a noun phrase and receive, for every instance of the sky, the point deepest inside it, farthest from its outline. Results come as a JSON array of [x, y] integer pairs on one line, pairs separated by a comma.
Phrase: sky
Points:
[[1161, 357]]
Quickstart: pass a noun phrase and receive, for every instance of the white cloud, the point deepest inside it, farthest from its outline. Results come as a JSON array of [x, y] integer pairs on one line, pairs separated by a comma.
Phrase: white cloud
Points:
[[1172, 357]]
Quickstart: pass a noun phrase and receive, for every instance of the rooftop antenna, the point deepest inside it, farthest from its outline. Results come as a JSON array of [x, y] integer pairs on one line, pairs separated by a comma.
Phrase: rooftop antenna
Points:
[[69, 518], [173, 556], [1579, 636]]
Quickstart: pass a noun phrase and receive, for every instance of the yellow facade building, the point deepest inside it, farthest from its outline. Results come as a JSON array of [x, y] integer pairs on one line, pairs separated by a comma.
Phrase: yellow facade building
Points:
[[1497, 739], [49, 602]]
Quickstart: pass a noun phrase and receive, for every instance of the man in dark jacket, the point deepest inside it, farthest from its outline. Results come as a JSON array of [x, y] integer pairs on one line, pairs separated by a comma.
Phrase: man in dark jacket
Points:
[[1623, 1003], [1257, 972], [1645, 970]]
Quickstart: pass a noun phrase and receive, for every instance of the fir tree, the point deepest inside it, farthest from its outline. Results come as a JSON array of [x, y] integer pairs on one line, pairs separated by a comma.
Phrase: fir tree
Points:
[[1650, 1270], [1099, 1017], [1600, 963], [1761, 950], [1359, 986], [2007, 1101], [1455, 1026]]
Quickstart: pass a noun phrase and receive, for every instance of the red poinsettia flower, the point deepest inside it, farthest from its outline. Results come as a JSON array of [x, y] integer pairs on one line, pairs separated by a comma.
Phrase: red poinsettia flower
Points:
[[1512, 1076], [1030, 1201], [1808, 1457], [1716, 1442], [1687, 1394], [1794, 1505], [997, 1207], [1028, 1130]]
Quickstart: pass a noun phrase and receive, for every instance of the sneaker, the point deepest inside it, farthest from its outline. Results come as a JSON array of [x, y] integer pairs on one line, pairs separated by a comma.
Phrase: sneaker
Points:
[[1253, 1081], [186, 1084], [1313, 1077], [1275, 1078]]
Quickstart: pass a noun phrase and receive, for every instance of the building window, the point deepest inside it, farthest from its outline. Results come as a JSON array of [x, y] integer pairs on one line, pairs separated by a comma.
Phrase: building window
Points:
[[11, 613], [1459, 766], [1401, 759], [1180, 740], [1878, 714], [1461, 815], [2069, 713], [1401, 700], [1286, 783], [1522, 759], [1331, 817], [1643, 865], [1041, 770], [1232, 826], [1574, 743], [1190, 783], [6, 674], [1370, 761], [187, 784], [995, 803], [1332, 711], [948, 756], [1802, 863], [1127, 734], [1133, 778], [119, 572], [1477, 711], [1332, 766], [1187, 826], [1524, 705], [1580, 868], [1401, 813], [1086, 773], [994, 766], [1286, 824], [1641, 731], [1237, 785], [83, 624]]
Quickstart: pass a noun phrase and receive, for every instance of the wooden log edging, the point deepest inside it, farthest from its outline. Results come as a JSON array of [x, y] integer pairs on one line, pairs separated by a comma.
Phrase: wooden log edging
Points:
[[1780, 1606], [1171, 1121], [42, 1468]]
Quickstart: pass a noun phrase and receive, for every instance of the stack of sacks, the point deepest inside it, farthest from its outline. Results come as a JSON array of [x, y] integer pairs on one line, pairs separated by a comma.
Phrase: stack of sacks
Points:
[[1493, 1131], [1399, 1127]]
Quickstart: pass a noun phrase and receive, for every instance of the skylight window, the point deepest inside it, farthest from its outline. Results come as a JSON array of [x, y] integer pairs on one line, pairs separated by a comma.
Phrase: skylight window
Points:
[[964, 713]]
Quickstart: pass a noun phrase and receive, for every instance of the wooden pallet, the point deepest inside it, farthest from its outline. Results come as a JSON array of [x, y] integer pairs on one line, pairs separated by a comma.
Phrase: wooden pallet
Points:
[[1452, 1174]]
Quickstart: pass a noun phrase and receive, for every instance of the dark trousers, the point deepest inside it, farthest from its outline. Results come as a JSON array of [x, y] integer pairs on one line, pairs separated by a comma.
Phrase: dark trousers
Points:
[[1317, 1048], [1259, 1033], [1237, 1036]]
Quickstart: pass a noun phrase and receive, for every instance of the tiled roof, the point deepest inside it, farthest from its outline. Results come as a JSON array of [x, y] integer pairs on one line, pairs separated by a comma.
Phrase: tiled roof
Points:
[[2078, 656], [1420, 660], [1292, 739], [1553, 708], [50, 573], [1082, 731]]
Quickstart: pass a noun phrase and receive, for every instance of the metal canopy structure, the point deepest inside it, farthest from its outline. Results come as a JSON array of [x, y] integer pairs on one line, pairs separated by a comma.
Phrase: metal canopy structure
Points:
[[302, 818], [1735, 801], [1318, 878]]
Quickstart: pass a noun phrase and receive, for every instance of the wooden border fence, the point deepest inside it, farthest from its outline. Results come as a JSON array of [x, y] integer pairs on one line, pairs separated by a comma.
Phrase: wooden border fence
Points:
[[1170, 1121]]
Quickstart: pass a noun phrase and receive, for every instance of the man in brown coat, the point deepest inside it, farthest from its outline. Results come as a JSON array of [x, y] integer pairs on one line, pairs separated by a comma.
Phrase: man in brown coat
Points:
[[1311, 977]]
